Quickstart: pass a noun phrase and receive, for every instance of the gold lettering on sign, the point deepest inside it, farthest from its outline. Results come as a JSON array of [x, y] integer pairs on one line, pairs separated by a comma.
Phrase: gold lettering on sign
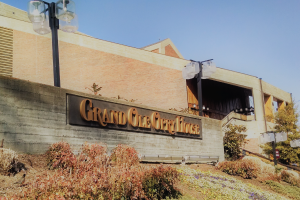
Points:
[[114, 117], [147, 123], [179, 124], [105, 117], [187, 128], [155, 120], [98, 117], [172, 127], [90, 113], [197, 129], [141, 124], [192, 129], [133, 117], [89, 116], [122, 118]]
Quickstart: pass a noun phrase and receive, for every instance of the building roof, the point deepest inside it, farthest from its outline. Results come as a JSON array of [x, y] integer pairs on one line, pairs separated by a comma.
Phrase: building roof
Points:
[[165, 47]]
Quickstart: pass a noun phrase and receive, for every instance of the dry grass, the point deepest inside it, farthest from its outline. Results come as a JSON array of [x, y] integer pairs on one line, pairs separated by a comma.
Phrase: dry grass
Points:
[[7, 159], [264, 168]]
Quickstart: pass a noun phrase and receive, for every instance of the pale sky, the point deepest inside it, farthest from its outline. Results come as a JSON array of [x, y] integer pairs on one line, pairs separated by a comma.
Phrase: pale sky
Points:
[[260, 38]]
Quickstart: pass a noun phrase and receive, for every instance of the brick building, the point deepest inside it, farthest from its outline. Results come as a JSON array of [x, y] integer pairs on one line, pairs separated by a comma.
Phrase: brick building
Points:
[[150, 75]]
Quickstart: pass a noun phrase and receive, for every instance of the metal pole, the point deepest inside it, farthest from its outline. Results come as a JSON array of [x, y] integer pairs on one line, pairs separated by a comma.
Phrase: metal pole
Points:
[[274, 151], [54, 25], [199, 86]]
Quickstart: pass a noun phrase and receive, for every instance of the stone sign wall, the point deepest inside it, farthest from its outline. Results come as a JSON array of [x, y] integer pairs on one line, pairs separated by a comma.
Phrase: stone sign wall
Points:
[[33, 116]]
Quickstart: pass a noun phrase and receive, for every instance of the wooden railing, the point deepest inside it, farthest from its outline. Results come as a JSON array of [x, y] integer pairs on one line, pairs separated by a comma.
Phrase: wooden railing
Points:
[[259, 155]]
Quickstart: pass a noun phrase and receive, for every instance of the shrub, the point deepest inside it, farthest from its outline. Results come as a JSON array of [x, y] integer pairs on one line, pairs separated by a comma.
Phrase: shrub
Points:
[[233, 141], [229, 167], [159, 182], [60, 155], [94, 177], [290, 177], [7, 159], [245, 168], [263, 168], [124, 155]]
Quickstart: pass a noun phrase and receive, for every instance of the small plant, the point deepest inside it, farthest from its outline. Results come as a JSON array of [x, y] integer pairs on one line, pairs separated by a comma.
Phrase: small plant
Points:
[[7, 159], [244, 168], [159, 182], [186, 111], [124, 155], [234, 140], [60, 155], [122, 98], [95, 89], [278, 169]]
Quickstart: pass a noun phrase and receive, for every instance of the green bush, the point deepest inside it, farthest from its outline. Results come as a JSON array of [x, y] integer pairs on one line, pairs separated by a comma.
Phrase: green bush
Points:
[[158, 182], [233, 141]]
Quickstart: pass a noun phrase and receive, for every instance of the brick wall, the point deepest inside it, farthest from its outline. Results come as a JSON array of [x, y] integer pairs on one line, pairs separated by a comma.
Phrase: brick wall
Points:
[[169, 51], [33, 116], [80, 67]]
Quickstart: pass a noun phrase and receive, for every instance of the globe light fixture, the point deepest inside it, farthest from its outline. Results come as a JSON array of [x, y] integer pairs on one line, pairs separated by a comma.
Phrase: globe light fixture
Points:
[[69, 26], [36, 11], [46, 20], [191, 70], [42, 28], [65, 10], [208, 68]]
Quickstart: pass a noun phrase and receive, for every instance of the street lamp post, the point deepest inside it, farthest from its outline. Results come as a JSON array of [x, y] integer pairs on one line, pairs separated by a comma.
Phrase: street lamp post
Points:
[[61, 15], [199, 84], [273, 137], [200, 70]]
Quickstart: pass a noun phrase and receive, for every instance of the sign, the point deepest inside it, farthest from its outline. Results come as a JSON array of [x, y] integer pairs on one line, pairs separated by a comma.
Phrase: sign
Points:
[[107, 115], [277, 153]]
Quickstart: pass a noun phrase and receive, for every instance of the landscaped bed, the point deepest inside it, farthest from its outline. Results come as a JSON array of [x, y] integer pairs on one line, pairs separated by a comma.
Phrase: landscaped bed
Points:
[[127, 179]]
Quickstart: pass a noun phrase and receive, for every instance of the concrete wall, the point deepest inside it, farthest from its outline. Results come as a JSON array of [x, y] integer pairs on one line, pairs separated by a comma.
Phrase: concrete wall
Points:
[[33, 116]]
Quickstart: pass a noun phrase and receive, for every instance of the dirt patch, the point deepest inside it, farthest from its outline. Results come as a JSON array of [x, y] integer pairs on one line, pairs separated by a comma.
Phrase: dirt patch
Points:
[[35, 164]]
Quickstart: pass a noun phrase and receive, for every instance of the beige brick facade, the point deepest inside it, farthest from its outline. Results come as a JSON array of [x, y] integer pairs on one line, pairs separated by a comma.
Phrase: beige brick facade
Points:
[[80, 67]]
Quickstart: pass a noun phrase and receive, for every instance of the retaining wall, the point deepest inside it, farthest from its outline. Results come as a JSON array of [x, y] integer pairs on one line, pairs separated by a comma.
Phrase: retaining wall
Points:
[[33, 116]]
